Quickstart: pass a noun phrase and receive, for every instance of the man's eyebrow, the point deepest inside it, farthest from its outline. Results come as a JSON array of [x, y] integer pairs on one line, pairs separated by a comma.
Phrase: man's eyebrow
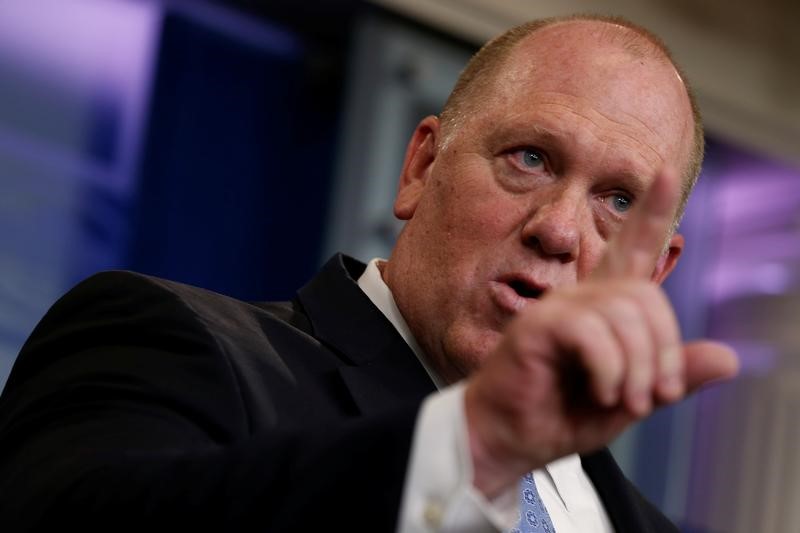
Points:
[[521, 132], [634, 182]]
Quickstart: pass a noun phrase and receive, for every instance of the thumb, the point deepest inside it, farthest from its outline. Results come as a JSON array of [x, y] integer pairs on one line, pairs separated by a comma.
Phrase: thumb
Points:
[[708, 361]]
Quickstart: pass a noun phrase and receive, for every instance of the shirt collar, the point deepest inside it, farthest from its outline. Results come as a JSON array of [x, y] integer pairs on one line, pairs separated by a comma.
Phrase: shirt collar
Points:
[[563, 472], [371, 282], [567, 476]]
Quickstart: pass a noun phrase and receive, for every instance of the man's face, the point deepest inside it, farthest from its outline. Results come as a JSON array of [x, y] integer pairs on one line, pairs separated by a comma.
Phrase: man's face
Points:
[[525, 194]]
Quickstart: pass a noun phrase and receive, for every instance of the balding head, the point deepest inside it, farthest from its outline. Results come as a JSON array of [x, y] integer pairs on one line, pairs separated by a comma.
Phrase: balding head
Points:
[[479, 77]]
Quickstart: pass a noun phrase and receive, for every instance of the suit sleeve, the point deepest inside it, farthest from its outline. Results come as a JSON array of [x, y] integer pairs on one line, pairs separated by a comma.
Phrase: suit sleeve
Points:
[[121, 413]]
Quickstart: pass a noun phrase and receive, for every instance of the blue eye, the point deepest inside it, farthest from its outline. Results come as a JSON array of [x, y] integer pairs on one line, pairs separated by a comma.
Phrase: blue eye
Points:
[[532, 158], [620, 202]]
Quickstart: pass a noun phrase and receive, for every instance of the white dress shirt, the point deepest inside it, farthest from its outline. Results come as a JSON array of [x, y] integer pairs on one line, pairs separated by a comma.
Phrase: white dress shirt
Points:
[[438, 494]]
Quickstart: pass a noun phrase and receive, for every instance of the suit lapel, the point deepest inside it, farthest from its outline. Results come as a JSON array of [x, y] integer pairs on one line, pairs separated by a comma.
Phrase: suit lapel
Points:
[[381, 371], [387, 382], [622, 505]]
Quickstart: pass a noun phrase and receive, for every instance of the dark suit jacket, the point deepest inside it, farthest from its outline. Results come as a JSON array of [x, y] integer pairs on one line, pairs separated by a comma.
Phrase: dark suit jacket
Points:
[[138, 401]]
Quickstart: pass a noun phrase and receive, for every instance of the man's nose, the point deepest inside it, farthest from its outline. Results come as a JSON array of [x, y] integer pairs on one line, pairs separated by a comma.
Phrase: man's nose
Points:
[[553, 227]]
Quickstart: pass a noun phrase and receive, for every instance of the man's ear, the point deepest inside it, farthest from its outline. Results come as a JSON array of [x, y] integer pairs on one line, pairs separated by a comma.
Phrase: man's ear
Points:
[[420, 155], [668, 259]]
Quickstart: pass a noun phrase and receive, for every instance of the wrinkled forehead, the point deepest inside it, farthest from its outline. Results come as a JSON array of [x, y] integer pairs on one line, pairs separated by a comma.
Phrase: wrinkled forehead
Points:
[[586, 59], [612, 70]]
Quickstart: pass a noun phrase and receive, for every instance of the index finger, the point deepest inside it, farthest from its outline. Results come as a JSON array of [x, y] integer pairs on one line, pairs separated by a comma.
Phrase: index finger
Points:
[[633, 252]]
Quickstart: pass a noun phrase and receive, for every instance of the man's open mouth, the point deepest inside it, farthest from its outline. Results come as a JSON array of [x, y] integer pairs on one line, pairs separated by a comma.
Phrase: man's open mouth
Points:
[[525, 289]]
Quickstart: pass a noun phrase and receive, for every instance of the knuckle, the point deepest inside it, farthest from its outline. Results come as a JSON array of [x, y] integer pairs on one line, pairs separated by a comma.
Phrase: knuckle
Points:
[[587, 321], [624, 309]]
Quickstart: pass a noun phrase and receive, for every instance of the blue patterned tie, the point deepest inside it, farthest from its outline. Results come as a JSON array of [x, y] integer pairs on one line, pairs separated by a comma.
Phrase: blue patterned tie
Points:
[[533, 517]]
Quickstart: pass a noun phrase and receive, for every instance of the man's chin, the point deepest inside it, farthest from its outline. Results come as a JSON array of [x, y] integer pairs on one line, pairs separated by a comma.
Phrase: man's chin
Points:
[[470, 350]]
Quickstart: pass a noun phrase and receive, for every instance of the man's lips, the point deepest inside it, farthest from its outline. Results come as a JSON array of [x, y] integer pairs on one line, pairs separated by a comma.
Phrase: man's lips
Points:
[[513, 292]]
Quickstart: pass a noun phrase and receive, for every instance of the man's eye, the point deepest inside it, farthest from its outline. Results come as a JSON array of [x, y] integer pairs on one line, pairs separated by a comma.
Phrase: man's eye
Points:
[[530, 158], [620, 202]]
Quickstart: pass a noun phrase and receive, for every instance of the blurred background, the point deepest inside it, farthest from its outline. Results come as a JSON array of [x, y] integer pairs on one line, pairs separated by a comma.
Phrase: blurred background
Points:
[[236, 145]]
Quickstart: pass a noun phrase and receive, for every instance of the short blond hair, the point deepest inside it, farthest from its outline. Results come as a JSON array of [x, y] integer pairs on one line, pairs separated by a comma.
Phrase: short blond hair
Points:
[[481, 70]]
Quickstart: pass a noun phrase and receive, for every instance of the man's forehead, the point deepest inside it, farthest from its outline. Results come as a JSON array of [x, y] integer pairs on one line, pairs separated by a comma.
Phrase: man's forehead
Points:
[[566, 64], [578, 49], [576, 34]]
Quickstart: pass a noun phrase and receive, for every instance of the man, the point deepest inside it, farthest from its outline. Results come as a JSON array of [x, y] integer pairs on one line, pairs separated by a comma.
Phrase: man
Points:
[[540, 211]]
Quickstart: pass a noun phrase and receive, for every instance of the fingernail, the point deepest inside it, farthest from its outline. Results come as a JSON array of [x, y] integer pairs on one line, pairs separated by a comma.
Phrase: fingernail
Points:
[[671, 386], [610, 398], [670, 361], [641, 402]]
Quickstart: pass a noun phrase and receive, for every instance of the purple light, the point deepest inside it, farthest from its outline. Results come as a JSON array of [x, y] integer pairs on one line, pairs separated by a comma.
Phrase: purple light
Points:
[[91, 49], [81, 41], [756, 358], [755, 207]]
